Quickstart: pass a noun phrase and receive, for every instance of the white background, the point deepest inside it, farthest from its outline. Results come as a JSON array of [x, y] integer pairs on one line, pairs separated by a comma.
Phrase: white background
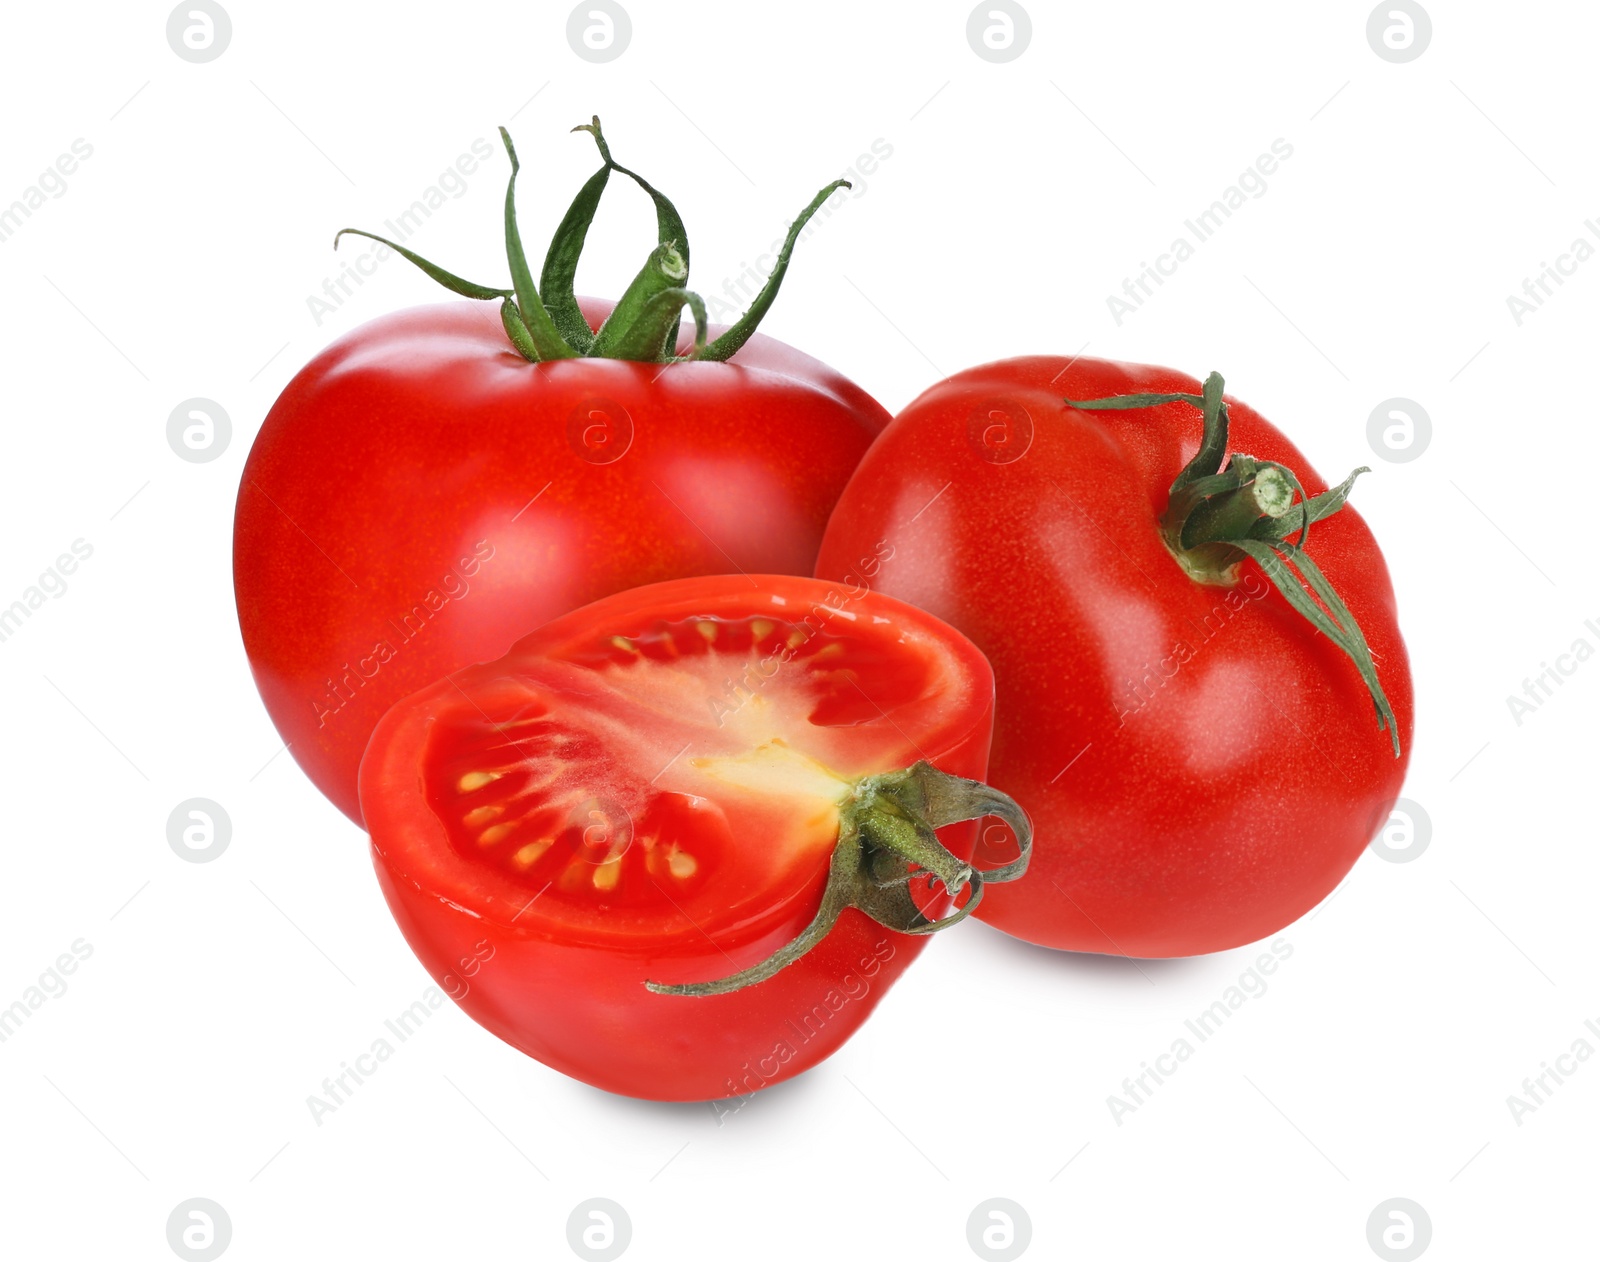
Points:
[[178, 262]]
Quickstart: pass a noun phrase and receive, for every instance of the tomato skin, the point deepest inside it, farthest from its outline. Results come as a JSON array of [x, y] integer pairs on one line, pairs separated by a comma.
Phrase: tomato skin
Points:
[[1201, 766], [568, 989], [419, 496], [601, 1026]]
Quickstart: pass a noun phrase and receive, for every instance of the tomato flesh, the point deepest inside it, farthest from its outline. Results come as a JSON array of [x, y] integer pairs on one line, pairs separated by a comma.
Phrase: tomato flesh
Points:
[[649, 789]]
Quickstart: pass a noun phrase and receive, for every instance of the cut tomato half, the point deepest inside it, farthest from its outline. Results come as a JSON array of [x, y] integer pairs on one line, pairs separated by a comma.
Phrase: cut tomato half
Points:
[[651, 789]]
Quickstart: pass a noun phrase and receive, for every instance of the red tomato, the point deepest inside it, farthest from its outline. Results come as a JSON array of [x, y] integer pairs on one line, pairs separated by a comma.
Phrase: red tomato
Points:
[[420, 495], [1201, 765], [650, 789]]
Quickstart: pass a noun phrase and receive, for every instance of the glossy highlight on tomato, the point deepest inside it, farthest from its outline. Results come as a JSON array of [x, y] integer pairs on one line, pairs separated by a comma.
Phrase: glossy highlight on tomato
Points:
[[649, 789], [1202, 766]]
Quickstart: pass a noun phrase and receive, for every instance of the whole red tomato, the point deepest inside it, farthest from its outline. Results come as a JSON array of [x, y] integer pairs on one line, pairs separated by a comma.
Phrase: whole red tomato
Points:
[[421, 494], [1201, 762], [670, 844]]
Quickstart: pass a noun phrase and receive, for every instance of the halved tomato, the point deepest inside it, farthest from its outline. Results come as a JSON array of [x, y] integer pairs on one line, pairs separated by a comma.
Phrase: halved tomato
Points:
[[698, 785]]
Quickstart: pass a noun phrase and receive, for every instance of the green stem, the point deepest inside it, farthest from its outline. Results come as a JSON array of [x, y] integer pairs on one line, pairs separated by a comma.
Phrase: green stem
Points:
[[642, 340], [662, 271], [1314, 509], [1233, 513], [887, 839]]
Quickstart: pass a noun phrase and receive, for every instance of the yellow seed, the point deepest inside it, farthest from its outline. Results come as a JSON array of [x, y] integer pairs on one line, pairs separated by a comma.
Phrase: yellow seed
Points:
[[797, 637], [761, 628], [682, 866], [529, 854], [829, 651], [707, 630], [494, 834], [623, 643], [478, 816], [476, 780], [607, 874]]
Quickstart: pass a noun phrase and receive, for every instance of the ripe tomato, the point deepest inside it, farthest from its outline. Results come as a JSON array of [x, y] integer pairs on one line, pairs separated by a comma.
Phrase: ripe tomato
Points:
[[420, 496], [660, 788], [421, 493], [1201, 764]]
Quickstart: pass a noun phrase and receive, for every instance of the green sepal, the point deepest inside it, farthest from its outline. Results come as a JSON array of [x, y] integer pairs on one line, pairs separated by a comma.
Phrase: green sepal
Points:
[[738, 333], [452, 282], [541, 328], [1132, 402], [669, 224], [1214, 435], [546, 322], [517, 331], [1341, 627], [1215, 517], [560, 271]]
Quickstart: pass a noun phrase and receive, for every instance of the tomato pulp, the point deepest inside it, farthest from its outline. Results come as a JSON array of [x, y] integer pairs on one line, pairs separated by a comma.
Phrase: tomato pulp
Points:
[[1201, 765], [420, 496], [649, 789]]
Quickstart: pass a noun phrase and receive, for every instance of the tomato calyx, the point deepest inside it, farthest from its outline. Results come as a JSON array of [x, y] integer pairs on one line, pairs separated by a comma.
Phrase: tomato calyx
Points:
[[1218, 514], [887, 842], [544, 322]]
